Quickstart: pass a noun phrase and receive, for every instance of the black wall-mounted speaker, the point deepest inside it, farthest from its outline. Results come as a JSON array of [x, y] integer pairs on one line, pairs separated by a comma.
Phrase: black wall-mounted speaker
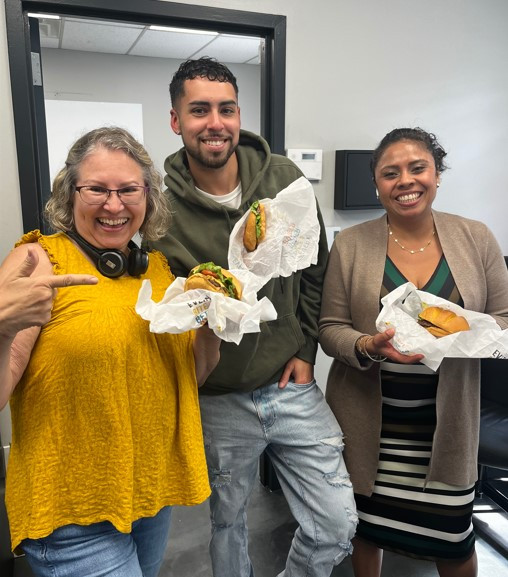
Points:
[[354, 187]]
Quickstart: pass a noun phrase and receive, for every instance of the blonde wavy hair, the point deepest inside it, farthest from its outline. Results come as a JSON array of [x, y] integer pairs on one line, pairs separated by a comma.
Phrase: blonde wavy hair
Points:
[[59, 209]]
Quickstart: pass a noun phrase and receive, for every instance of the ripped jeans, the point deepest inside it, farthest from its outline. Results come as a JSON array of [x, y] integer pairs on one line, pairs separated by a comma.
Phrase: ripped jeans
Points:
[[301, 435]]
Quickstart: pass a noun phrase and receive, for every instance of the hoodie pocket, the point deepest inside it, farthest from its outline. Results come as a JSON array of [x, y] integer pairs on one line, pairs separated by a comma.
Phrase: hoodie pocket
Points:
[[297, 330]]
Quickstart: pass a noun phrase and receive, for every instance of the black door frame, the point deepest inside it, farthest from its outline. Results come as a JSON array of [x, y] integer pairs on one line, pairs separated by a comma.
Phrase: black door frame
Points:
[[26, 122]]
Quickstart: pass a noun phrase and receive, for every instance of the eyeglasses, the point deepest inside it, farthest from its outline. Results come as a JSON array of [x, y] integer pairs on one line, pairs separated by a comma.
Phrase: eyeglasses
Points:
[[100, 195]]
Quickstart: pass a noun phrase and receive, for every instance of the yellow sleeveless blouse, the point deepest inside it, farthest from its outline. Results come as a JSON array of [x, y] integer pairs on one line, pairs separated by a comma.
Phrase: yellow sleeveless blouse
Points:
[[105, 420]]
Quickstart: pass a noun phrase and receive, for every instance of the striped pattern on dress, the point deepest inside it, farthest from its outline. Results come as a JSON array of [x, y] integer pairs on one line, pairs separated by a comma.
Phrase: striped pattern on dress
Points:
[[404, 514]]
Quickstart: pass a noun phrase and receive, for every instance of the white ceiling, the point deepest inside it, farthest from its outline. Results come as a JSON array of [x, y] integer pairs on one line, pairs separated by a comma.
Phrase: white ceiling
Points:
[[139, 40]]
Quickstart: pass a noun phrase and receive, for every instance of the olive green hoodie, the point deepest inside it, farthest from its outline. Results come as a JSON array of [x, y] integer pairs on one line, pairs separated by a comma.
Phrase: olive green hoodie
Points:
[[199, 232]]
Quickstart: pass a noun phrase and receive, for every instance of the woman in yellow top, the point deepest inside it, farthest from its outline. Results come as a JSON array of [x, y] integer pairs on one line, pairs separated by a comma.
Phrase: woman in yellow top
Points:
[[106, 430]]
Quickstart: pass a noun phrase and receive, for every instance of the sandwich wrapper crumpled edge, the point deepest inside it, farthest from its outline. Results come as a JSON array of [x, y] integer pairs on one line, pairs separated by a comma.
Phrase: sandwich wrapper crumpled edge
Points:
[[292, 235], [180, 311], [401, 307]]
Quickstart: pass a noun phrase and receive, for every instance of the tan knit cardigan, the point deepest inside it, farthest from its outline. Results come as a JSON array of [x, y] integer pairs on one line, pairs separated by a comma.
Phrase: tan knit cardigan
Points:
[[349, 309]]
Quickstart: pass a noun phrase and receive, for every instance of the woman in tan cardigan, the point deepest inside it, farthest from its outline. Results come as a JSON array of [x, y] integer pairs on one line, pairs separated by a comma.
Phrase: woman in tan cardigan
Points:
[[411, 434]]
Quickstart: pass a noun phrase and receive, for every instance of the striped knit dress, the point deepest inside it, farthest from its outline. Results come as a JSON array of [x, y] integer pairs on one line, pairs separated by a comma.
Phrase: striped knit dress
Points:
[[427, 521]]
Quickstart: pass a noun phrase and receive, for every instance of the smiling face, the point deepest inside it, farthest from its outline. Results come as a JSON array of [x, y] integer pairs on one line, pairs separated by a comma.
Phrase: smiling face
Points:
[[406, 179], [112, 224], [208, 118]]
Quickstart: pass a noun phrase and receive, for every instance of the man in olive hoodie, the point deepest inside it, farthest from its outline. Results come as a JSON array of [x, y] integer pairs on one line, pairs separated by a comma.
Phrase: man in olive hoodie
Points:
[[262, 395]]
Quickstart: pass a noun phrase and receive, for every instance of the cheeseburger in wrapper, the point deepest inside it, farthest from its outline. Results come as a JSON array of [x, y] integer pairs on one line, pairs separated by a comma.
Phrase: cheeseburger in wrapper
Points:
[[211, 277], [441, 322]]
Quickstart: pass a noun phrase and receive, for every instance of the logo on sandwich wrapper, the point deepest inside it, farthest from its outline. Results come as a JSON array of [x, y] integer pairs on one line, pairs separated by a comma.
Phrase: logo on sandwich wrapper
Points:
[[199, 308], [180, 311], [292, 235], [400, 311]]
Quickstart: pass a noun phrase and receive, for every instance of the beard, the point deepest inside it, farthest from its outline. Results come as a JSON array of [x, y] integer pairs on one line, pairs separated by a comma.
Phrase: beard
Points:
[[211, 159]]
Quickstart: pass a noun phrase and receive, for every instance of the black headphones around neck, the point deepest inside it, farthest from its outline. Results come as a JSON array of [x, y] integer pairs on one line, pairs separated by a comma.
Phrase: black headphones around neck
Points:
[[111, 262]]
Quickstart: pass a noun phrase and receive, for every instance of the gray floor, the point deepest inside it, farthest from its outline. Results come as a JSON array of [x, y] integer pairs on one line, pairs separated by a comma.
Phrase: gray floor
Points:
[[271, 527]]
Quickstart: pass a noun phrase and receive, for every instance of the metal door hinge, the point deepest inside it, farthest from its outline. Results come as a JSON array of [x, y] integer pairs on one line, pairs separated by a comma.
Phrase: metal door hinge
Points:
[[36, 69]]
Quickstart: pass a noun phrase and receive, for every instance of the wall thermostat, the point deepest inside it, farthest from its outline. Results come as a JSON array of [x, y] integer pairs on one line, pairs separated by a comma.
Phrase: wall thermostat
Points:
[[309, 161]]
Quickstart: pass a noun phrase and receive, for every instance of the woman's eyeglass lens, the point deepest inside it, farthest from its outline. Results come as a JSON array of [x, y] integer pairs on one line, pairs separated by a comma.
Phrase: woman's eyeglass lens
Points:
[[100, 195]]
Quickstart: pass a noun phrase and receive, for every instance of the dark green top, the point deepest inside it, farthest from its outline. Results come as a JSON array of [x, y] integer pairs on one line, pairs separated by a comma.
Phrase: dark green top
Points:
[[441, 282]]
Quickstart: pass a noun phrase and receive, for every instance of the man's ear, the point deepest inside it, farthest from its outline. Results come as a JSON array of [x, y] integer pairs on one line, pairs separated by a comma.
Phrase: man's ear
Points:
[[175, 122]]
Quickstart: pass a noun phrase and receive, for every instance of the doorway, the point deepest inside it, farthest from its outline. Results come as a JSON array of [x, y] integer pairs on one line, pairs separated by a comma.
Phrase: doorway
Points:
[[98, 72]]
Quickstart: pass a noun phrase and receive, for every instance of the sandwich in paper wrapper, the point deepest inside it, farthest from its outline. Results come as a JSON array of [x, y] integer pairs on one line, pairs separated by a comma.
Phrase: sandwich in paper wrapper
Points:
[[400, 311], [181, 310], [291, 243]]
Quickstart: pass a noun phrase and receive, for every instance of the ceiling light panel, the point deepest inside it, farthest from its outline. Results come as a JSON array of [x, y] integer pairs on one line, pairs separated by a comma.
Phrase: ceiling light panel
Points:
[[182, 30], [43, 16]]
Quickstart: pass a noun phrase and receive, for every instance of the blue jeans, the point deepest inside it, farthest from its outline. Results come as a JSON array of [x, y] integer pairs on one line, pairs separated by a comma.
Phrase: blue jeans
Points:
[[100, 550], [301, 435]]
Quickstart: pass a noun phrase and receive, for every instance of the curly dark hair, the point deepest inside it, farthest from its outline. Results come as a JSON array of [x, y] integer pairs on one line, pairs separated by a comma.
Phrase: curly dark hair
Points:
[[426, 139], [204, 67]]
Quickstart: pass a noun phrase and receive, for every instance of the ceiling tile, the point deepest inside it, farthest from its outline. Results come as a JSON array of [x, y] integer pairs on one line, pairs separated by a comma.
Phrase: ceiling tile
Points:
[[104, 22], [164, 44], [232, 49], [49, 42], [99, 37]]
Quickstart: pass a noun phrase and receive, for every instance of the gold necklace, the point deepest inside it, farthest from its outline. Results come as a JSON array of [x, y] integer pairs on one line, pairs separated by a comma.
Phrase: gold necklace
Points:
[[396, 241]]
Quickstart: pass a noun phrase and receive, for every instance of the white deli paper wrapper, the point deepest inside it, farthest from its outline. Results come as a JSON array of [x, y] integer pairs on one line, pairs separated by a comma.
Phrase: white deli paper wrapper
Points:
[[400, 310], [180, 310], [292, 235]]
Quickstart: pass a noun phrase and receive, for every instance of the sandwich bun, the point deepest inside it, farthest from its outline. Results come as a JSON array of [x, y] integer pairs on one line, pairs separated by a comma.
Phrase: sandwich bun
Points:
[[255, 227], [441, 322], [211, 277]]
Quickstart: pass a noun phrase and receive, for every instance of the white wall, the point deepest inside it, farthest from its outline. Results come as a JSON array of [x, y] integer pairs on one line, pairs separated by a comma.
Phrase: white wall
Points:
[[355, 70]]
